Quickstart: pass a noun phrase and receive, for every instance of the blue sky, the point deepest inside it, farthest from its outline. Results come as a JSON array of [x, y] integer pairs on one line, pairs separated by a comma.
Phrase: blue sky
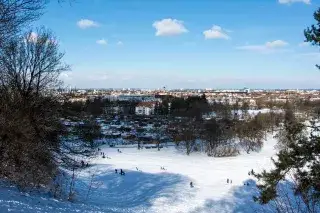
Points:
[[186, 43]]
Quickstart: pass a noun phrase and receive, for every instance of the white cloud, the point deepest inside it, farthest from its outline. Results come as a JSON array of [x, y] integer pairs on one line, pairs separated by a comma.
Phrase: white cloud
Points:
[[32, 37], [216, 32], [304, 44], [102, 42], [169, 27], [310, 54], [253, 47], [119, 43], [268, 47], [294, 1], [66, 75], [86, 23], [276, 43], [126, 78], [98, 77]]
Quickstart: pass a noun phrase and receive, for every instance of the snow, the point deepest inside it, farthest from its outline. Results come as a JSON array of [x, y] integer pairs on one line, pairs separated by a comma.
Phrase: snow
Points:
[[154, 190], [254, 112]]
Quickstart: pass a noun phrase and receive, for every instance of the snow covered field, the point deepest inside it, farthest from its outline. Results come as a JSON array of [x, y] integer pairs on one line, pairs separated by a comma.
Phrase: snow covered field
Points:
[[154, 190]]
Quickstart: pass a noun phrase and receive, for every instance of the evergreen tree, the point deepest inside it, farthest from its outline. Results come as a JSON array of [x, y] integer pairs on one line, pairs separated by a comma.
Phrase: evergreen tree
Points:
[[312, 33], [300, 159]]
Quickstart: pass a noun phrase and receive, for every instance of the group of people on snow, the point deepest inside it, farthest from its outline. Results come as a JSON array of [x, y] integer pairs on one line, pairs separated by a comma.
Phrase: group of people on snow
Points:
[[229, 181], [121, 172], [84, 164], [251, 172]]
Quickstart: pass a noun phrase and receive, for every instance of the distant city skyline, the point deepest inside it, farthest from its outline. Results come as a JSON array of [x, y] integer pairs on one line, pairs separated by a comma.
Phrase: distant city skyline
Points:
[[186, 44], [193, 89]]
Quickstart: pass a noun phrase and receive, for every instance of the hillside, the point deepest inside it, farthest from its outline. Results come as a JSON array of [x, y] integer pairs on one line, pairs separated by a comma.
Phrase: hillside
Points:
[[152, 189]]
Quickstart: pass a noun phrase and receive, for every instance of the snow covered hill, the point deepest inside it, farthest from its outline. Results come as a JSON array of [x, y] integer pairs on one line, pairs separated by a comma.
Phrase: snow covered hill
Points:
[[152, 189]]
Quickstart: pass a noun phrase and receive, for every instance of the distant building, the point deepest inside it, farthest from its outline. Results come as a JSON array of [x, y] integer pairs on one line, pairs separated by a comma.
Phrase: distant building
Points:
[[246, 90], [114, 110], [81, 91], [78, 99], [129, 97], [208, 116], [145, 108]]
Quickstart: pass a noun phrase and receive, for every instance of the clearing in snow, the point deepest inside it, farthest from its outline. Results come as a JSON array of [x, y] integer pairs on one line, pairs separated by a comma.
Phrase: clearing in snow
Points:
[[156, 181]]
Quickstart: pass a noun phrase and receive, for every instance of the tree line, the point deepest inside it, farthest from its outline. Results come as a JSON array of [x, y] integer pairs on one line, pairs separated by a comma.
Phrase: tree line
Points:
[[31, 149], [225, 136]]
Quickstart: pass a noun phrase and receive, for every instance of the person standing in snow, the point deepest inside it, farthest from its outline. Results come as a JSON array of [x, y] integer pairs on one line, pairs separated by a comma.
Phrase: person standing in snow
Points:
[[116, 170], [227, 180], [191, 184]]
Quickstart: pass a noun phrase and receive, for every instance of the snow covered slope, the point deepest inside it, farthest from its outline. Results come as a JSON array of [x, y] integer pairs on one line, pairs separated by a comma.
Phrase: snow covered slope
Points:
[[151, 189]]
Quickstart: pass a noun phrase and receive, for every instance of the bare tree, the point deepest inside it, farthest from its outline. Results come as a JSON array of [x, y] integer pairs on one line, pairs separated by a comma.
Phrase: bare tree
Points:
[[16, 14], [29, 112], [186, 133], [31, 64], [93, 184]]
